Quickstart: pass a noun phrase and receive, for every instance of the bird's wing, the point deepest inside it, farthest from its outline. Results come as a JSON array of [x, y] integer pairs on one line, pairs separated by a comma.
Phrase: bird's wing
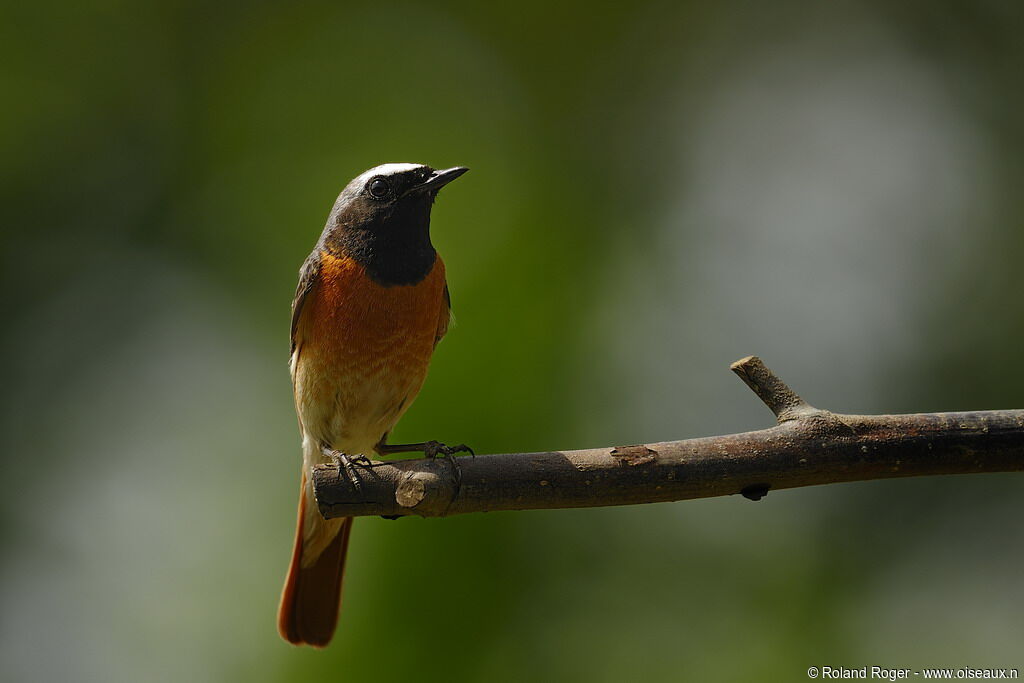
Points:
[[445, 317], [307, 280]]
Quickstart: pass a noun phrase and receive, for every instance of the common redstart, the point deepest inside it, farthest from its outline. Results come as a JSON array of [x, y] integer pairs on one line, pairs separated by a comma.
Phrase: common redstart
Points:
[[371, 305]]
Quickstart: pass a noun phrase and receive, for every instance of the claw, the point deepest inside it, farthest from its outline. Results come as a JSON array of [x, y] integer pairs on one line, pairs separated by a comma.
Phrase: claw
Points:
[[347, 464], [432, 449]]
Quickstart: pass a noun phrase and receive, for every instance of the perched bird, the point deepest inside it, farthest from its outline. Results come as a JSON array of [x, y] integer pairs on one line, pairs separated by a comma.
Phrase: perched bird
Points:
[[371, 304]]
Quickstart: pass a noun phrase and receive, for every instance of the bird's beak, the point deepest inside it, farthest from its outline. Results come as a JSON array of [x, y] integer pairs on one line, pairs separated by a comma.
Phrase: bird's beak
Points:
[[438, 179]]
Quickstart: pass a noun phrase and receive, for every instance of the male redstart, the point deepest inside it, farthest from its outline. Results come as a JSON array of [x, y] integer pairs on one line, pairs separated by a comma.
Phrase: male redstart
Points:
[[371, 305]]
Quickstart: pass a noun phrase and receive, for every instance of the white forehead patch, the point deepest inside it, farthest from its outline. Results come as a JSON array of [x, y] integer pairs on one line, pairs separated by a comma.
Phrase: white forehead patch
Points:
[[356, 185], [391, 169]]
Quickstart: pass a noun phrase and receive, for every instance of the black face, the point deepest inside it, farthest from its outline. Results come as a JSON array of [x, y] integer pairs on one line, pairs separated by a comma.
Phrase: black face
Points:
[[382, 221]]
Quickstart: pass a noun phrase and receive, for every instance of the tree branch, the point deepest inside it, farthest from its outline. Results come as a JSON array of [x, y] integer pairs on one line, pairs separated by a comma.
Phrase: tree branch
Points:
[[808, 447]]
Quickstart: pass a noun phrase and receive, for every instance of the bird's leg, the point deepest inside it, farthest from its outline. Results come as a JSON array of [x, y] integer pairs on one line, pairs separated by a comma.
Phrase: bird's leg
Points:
[[347, 464], [430, 449]]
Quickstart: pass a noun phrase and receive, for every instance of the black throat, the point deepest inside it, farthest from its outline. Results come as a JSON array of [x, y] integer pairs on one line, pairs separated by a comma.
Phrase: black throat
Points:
[[393, 246]]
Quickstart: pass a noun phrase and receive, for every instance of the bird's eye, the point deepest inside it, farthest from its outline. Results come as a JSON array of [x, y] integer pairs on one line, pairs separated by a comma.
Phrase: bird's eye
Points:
[[378, 188]]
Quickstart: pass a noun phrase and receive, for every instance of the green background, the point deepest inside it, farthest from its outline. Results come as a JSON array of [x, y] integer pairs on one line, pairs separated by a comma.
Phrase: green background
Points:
[[657, 189]]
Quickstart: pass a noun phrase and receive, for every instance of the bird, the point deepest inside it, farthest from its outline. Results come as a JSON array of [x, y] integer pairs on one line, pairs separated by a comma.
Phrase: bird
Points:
[[371, 305]]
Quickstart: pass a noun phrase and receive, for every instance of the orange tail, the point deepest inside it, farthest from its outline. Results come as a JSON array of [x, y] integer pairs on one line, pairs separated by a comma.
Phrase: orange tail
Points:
[[312, 595]]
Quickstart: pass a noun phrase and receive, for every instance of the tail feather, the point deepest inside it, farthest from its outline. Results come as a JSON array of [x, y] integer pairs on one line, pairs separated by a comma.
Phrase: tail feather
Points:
[[308, 613]]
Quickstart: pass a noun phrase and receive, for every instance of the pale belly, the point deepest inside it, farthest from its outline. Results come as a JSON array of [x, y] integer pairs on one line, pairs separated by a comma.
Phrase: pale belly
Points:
[[350, 403]]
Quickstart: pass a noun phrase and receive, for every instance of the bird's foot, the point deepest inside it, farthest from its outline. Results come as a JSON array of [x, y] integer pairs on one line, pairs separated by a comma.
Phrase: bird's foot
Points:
[[347, 463], [432, 449]]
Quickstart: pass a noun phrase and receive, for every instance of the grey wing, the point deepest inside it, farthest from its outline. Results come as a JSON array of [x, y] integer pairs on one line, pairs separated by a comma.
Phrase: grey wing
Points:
[[445, 317], [307, 279]]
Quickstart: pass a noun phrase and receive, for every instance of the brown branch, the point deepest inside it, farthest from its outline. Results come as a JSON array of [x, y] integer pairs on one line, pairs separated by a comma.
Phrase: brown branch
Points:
[[775, 393], [808, 447]]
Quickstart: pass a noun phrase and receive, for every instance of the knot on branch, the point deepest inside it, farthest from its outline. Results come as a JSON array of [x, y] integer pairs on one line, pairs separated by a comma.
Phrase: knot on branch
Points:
[[634, 455], [388, 489], [426, 493]]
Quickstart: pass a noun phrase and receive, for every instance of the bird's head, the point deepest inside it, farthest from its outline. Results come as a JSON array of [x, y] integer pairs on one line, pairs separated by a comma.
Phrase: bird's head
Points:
[[382, 220]]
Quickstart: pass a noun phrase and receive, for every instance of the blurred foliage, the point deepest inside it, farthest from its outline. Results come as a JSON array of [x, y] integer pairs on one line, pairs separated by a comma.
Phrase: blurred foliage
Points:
[[657, 189]]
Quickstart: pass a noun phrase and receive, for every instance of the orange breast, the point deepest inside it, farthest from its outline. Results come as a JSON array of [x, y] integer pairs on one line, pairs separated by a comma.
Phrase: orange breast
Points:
[[364, 351]]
